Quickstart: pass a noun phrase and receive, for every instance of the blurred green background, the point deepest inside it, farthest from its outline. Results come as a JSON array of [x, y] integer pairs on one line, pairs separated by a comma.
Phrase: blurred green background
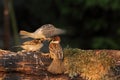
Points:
[[90, 24]]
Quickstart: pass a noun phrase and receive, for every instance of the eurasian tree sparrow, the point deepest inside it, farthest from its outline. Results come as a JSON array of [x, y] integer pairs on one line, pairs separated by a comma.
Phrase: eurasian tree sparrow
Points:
[[56, 53], [33, 45]]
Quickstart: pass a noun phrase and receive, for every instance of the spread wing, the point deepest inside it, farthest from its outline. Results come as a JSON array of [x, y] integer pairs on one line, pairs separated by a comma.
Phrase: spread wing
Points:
[[45, 28], [53, 32], [49, 30]]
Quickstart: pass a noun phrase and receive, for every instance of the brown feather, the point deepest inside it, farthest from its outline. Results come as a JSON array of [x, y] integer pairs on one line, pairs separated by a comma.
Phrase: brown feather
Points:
[[22, 32], [56, 67], [56, 53]]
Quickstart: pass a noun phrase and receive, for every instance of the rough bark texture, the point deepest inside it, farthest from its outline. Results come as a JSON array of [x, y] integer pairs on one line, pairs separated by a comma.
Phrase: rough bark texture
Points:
[[27, 62], [36, 64]]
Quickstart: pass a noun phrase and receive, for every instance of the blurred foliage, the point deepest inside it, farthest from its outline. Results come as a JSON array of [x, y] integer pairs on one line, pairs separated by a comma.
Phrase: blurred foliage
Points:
[[104, 42], [13, 22], [89, 23]]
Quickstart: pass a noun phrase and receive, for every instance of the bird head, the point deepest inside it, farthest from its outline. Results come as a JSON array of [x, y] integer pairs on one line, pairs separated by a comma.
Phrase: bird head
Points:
[[56, 39]]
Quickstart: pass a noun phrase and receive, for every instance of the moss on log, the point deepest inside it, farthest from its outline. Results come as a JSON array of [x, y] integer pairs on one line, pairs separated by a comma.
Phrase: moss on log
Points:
[[91, 64]]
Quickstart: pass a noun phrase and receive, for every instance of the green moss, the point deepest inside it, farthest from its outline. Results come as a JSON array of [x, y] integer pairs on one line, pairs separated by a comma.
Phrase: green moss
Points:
[[90, 64]]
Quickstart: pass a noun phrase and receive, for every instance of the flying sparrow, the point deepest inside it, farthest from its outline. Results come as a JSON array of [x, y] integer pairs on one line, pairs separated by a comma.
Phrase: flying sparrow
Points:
[[33, 45], [56, 53], [44, 32]]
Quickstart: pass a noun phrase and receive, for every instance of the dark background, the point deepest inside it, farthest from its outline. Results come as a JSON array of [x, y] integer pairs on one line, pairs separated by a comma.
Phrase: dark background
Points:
[[90, 24]]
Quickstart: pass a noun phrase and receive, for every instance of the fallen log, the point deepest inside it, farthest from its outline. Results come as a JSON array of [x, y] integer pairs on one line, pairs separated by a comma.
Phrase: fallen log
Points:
[[27, 62], [19, 76], [77, 62]]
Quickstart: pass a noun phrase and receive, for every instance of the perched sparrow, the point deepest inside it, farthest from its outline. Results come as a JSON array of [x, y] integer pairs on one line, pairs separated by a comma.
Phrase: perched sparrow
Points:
[[55, 48], [44, 32], [33, 45], [56, 53]]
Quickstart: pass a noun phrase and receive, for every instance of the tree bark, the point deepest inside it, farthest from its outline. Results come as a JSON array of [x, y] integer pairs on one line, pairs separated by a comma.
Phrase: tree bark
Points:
[[27, 62], [6, 25]]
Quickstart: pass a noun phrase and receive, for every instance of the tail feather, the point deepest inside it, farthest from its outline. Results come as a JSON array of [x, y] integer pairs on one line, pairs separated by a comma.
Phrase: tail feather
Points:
[[56, 67], [24, 34]]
